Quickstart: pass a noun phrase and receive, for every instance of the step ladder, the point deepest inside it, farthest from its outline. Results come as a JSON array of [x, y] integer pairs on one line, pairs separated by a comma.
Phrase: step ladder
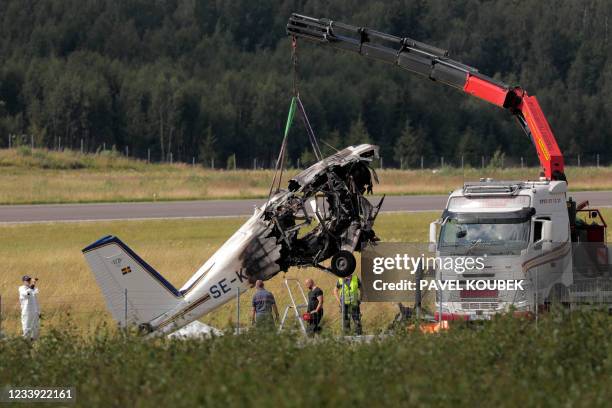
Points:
[[298, 309]]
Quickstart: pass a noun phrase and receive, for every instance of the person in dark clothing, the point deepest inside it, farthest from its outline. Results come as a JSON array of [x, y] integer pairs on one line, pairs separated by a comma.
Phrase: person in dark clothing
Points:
[[263, 306], [315, 307]]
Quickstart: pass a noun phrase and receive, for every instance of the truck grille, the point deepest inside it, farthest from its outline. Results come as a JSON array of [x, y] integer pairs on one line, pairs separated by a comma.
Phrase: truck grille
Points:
[[479, 306], [473, 297]]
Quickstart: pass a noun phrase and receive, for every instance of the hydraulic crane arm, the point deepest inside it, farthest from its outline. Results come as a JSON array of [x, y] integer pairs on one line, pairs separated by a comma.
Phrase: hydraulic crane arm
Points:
[[433, 63]]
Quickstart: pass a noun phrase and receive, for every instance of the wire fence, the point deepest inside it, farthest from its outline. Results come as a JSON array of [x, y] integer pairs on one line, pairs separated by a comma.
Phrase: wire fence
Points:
[[88, 310], [390, 161], [457, 161], [499, 161]]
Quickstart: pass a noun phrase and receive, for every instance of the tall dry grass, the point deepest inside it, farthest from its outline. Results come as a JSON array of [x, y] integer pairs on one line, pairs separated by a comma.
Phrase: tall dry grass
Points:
[[68, 177], [176, 248]]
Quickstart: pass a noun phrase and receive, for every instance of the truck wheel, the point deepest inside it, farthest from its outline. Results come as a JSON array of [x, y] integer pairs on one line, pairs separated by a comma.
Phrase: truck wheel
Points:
[[145, 328], [559, 296], [343, 264]]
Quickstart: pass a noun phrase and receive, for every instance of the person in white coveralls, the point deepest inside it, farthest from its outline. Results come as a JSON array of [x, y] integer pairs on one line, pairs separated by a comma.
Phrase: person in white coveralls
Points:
[[30, 311]]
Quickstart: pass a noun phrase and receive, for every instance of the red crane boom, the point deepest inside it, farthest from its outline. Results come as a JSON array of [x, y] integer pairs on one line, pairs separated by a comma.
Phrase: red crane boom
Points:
[[433, 63]]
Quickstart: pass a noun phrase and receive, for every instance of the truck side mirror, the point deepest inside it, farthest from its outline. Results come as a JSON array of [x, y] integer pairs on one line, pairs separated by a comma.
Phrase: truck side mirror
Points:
[[433, 235], [547, 230], [542, 234]]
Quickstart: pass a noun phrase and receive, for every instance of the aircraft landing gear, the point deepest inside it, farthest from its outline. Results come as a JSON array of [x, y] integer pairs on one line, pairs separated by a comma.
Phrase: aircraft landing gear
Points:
[[343, 264]]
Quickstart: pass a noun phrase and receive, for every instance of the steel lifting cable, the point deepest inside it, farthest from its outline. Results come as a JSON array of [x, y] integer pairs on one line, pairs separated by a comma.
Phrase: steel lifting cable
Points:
[[296, 102], [280, 161], [296, 93], [311, 135], [294, 61]]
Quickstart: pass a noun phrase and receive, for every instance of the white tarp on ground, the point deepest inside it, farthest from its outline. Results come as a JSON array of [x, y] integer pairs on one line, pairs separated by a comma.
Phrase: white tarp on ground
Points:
[[195, 329]]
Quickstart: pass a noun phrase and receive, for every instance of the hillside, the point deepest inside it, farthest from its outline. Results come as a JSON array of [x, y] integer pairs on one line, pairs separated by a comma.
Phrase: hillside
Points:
[[209, 80]]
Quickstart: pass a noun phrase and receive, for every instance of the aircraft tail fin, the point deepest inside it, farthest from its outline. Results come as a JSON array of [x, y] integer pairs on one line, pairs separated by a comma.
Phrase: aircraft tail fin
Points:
[[135, 293]]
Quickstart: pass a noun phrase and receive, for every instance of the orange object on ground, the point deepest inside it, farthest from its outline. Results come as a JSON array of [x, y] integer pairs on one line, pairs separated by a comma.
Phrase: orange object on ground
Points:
[[428, 328]]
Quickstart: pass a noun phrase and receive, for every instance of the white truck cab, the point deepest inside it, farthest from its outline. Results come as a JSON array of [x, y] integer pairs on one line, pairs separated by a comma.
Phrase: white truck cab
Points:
[[521, 232]]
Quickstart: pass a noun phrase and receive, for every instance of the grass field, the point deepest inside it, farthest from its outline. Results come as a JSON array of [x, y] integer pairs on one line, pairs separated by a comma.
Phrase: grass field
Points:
[[566, 360], [176, 248], [52, 177], [563, 361]]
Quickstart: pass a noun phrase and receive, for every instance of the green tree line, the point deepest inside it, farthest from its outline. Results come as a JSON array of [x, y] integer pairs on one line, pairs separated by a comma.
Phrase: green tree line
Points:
[[213, 79]]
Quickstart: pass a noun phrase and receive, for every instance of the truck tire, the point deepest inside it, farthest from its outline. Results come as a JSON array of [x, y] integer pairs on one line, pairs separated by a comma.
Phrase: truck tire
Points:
[[343, 264], [558, 296]]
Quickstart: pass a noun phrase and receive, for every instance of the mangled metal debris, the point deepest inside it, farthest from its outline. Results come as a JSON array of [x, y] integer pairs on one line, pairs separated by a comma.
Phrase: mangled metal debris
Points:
[[323, 214]]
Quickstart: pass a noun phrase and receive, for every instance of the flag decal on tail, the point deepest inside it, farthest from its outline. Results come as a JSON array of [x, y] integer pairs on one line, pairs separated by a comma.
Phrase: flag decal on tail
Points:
[[126, 270]]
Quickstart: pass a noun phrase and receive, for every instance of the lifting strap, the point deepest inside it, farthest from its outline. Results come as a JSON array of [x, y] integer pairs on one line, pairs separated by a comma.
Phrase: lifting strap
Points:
[[280, 160], [296, 102]]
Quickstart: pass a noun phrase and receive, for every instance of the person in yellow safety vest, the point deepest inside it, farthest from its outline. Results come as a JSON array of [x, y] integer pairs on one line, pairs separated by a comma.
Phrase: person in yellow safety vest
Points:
[[351, 288]]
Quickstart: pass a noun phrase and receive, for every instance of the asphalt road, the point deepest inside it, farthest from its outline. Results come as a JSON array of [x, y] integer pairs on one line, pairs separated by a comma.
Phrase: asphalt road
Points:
[[215, 208]]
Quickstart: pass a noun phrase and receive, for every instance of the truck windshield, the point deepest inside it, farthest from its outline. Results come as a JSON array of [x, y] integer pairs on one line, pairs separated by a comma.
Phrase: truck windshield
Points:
[[511, 236]]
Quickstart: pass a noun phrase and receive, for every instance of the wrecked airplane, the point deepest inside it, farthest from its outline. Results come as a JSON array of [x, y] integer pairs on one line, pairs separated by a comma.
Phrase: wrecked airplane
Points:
[[322, 215]]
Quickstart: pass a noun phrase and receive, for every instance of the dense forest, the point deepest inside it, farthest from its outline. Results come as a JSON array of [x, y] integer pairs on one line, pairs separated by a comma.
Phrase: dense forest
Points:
[[212, 79]]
